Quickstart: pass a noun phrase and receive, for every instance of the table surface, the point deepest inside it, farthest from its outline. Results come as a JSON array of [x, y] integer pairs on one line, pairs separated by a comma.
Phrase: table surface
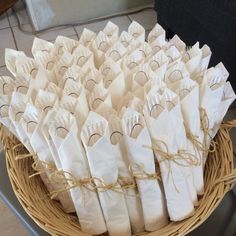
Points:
[[221, 223]]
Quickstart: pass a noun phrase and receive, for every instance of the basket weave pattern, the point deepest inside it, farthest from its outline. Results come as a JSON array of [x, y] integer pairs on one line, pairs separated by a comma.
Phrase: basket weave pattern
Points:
[[219, 176]]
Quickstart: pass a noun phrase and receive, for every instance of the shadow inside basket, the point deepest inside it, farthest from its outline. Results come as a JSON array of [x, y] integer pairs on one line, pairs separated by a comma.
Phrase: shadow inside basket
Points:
[[49, 215]]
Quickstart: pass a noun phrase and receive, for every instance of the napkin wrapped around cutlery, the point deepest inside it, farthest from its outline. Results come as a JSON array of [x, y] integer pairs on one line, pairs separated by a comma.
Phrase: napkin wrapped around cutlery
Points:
[[158, 63], [7, 85], [211, 92], [27, 66], [5, 101], [98, 96], [156, 32], [113, 81], [188, 91], [45, 60], [41, 45], [192, 58], [116, 52], [173, 106], [83, 57], [141, 160], [137, 31], [11, 56], [99, 46], [16, 110], [104, 169], [227, 99], [65, 44], [30, 123], [125, 178], [91, 78], [65, 135], [141, 75], [74, 73], [157, 116], [51, 151], [87, 37], [128, 41], [111, 30]]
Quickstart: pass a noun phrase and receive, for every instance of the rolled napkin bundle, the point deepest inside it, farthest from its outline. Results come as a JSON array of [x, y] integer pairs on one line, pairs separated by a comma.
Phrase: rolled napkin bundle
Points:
[[211, 92], [125, 178], [99, 46], [179, 201], [83, 57], [99, 96], [137, 31], [65, 135], [43, 162], [141, 75], [111, 30], [91, 78], [87, 37], [16, 110], [188, 92], [65, 44], [116, 52], [64, 197], [158, 63], [226, 100], [142, 165], [104, 170], [74, 73], [192, 58], [157, 38], [178, 43], [113, 80], [41, 45], [11, 56]]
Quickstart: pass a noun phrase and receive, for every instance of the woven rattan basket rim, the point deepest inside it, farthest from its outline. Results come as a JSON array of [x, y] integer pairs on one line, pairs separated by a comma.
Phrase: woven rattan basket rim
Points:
[[219, 176]]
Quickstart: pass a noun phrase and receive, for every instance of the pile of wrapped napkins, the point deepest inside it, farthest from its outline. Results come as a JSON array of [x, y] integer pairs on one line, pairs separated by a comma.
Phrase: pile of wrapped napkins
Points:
[[119, 128]]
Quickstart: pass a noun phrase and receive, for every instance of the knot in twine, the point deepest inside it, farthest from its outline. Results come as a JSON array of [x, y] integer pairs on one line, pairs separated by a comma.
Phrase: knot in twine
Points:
[[92, 184], [69, 181], [41, 166], [205, 127], [177, 158], [126, 182], [140, 172]]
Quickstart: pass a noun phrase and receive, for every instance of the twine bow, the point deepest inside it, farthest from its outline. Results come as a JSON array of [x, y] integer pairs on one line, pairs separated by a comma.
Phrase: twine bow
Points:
[[91, 183], [181, 158], [41, 167]]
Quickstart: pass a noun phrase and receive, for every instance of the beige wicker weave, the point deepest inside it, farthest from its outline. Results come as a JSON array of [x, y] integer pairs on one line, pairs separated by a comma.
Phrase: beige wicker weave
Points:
[[33, 196]]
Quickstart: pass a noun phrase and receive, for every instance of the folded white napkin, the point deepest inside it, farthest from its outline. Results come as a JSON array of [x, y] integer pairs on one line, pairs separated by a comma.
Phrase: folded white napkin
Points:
[[142, 165], [103, 166], [64, 133], [160, 126], [137, 31], [11, 56], [87, 37], [125, 178]]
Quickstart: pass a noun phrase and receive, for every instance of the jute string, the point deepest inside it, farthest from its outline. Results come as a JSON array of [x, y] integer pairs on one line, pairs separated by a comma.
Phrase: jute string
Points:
[[181, 158], [205, 126]]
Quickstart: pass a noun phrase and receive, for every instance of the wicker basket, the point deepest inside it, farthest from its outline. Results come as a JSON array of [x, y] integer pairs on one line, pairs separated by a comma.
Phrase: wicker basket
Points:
[[48, 214]]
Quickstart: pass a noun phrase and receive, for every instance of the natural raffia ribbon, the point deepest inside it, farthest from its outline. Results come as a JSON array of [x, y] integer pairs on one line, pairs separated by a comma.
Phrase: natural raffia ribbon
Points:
[[181, 158], [205, 126]]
